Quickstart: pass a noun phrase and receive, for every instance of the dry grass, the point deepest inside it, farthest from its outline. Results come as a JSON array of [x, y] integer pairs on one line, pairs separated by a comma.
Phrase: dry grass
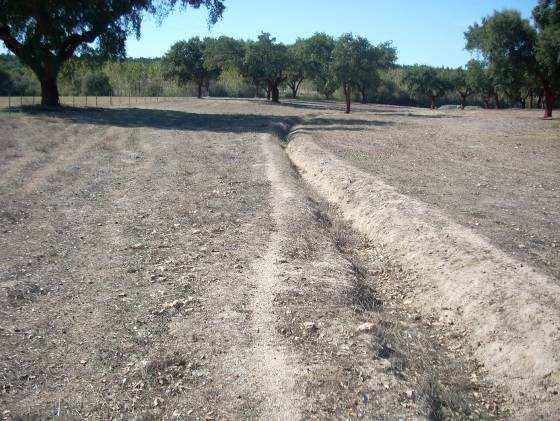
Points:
[[442, 382]]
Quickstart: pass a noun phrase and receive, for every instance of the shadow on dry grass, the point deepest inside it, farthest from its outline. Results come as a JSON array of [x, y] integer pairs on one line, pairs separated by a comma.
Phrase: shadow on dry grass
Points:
[[182, 120]]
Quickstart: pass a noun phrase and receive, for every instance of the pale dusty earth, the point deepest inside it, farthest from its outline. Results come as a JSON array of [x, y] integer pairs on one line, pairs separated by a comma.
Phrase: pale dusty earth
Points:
[[169, 262]]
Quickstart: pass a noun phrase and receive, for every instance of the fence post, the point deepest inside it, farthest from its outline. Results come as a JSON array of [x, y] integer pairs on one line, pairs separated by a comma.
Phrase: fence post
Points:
[[73, 101], [21, 100], [86, 100], [96, 100]]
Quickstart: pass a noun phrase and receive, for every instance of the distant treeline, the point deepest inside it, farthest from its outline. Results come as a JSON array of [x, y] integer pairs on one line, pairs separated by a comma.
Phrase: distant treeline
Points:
[[144, 77], [321, 66]]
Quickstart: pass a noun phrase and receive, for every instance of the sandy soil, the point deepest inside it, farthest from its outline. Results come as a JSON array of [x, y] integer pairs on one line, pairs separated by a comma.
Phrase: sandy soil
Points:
[[168, 262]]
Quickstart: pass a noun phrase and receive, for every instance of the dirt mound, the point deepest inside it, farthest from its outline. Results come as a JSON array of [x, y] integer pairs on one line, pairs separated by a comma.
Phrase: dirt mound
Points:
[[508, 310]]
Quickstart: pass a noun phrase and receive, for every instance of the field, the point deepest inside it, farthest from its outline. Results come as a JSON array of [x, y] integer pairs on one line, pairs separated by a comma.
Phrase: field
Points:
[[227, 259]]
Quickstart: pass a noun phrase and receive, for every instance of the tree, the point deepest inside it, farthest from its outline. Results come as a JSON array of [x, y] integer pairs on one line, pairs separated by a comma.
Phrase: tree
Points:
[[547, 50], [372, 59], [480, 80], [298, 65], [506, 41], [266, 60], [318, 51], [6, 84], [96, 84], [346, 66], [517, 52], [426, 81], [44, 34], [459, 80], [185, 62]]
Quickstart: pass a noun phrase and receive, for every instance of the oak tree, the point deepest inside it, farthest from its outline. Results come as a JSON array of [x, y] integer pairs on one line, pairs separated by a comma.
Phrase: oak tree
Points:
[[185, 62], [44, 34], [426, 81]]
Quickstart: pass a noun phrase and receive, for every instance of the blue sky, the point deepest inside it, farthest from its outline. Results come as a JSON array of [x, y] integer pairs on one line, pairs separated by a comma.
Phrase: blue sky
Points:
[[426, 31]]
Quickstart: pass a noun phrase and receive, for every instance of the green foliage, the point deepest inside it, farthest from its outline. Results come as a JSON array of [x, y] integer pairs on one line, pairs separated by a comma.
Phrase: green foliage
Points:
[[266, 59], [96, 84], [426, 81], [547, 49], [373, 59], [6, 84], [479, 78], [298, 65], [44, 34], [22, 80], [318, 51], [185, 62], [506, 40], [225, 53], [347, 59]]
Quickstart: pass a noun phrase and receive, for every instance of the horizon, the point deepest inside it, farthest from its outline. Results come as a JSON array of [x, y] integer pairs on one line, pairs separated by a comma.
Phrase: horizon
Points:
[[434, 22]]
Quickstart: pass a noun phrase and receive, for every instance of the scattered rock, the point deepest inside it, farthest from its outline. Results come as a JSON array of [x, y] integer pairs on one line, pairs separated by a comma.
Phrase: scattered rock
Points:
[[366, 327], [177, 304], [309, 327]]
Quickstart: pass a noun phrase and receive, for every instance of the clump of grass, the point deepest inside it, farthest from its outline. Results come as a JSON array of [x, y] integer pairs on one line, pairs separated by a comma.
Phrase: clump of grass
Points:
[[362, 295], [442, 385]]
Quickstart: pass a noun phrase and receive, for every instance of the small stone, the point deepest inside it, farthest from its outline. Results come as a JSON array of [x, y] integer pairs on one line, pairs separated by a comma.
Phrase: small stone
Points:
[[366, 327], [309, 327], [157, 402], [177, 304]]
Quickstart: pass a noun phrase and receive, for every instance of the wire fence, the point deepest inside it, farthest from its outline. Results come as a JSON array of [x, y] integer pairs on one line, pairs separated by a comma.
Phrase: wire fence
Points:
[[10, 102]]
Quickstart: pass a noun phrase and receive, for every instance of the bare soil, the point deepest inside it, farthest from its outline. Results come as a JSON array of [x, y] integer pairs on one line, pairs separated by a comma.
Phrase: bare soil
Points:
[[496, 172], [167, 261]]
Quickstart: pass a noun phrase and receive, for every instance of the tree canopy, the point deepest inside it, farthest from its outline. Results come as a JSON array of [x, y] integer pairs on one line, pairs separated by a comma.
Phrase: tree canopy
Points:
[[185, 61], [517, 52], [318, 52], [427, 81], [266, 60]]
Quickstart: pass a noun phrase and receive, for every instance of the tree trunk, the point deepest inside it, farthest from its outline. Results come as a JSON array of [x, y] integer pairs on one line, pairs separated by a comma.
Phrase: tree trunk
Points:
[[463, 99], [268, 89], [199, 95], [275, 93], [531, 99], [49, 92], [346, 89], [485, 103], [496, 101], [364, 97], [549, 102], [294, 91], [432, 102], [257, 89]]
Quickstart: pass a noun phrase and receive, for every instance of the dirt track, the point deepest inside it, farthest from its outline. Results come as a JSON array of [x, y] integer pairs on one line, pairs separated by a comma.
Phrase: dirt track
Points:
[[169, 262]]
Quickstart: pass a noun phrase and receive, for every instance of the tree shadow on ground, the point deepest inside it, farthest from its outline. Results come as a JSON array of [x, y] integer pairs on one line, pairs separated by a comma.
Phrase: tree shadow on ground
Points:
[[388, 110], [182, 120], [338, 124]]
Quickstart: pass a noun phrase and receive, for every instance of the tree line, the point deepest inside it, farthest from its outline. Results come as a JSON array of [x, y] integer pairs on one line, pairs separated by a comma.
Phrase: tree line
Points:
[[517, 62]]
